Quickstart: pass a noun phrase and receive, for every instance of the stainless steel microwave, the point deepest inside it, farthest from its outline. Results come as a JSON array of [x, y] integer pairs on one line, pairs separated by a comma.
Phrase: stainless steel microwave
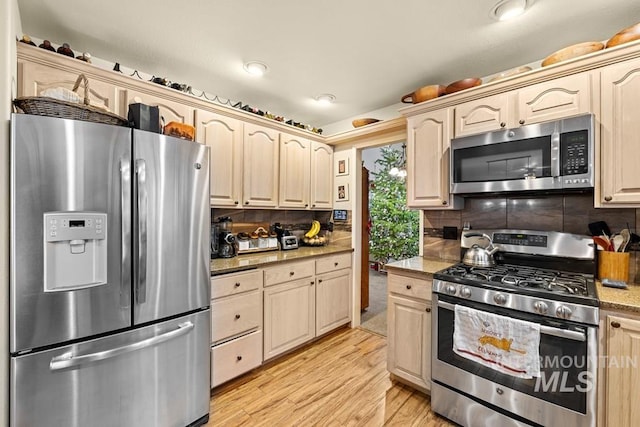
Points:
[[555, 155]]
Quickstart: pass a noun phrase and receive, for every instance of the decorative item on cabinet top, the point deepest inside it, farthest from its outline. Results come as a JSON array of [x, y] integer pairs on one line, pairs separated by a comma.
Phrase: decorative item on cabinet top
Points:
[[572, 51], [627, 35], [67, 109]]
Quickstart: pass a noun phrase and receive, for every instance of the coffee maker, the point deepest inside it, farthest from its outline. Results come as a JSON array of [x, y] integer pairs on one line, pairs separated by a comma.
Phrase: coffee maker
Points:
[[226, 239]]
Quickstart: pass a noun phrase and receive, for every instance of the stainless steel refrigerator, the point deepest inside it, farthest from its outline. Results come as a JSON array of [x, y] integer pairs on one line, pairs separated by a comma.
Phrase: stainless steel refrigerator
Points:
[[109, 296]]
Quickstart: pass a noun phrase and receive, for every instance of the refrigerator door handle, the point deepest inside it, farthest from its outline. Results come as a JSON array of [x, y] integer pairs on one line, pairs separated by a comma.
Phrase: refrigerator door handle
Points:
[[68, 360], [125, 220], [142, 201]]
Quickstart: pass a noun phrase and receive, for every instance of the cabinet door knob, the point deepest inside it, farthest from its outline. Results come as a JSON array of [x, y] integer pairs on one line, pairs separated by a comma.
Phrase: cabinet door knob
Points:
[[291, 273], [313, 205], [502, 124], [335, 264], [408, 286], [306, 205], [311, 283], [615, 324], [319, 280], [521, 121], [428, 309], [239, 358], [237, 285], [444, 202], [236, 202], [608, 198], [237, 316], [246, 203]]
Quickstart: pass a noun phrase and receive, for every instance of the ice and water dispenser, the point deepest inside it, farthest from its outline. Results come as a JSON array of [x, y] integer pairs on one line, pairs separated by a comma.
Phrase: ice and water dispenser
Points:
[[75, 250]]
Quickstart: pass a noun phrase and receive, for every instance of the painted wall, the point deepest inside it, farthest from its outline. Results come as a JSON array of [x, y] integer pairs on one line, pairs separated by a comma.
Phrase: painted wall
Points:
[[10, 28]]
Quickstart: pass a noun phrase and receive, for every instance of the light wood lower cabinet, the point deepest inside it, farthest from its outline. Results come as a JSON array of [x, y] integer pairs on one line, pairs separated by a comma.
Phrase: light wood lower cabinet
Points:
[[622, 373], [333, 292], [289, 316], [409, 329], [236, 324]]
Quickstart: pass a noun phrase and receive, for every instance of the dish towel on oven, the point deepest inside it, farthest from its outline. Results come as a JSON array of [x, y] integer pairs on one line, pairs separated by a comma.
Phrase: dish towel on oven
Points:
[[507, 345]]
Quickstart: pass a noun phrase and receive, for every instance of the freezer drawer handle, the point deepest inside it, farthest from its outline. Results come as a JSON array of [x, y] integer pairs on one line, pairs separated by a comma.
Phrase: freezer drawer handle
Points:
[[68, 360], [141, 282], [547, 330]]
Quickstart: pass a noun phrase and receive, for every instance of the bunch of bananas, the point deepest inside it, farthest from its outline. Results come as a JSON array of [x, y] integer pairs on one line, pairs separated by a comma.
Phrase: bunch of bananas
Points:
[[314, 230]]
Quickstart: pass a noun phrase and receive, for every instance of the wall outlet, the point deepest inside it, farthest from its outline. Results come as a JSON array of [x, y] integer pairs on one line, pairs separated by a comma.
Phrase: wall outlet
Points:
[[450, 233]]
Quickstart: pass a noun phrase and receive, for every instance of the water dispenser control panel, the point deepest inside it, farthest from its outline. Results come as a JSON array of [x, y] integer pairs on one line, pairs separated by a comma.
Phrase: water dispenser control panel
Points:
[[75, 250]]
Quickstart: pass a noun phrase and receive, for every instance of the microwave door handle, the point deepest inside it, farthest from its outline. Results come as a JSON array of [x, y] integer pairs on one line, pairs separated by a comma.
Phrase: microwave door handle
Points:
[[555, 154], [142, 201], [125, 226], [547, 330]]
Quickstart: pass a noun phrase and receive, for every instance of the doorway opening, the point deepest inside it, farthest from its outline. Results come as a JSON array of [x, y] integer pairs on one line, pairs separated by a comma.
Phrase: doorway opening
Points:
[[390, 231]]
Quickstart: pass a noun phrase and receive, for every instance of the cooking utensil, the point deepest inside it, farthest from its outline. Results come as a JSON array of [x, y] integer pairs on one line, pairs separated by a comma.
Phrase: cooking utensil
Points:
[[423, 94], [626, 237], [477, 256], [363, 122], [601, 242], [599, 228], [572, 51], [463, 84], [617, 241], [625, 36]]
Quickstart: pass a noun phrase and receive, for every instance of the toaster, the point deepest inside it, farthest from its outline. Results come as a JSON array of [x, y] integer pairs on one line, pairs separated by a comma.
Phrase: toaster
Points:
[[288, 242]]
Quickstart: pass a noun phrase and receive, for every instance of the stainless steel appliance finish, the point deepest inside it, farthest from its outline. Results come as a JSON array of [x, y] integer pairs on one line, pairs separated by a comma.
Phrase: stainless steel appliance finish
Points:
[[173, 221], [134, 350], [545, 156], [154, 376], [57, 165], [526, 284]]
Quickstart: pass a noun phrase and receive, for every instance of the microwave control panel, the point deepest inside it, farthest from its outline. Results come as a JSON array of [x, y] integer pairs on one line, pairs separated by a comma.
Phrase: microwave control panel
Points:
[[575, 152]]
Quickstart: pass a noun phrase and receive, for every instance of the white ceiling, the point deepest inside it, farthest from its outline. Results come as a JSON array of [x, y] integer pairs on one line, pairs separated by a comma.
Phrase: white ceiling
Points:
[[368, 53]]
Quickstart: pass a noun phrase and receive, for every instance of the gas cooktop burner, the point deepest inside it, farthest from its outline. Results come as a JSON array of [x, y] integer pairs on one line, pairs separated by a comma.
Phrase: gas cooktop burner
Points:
[[550, 281]]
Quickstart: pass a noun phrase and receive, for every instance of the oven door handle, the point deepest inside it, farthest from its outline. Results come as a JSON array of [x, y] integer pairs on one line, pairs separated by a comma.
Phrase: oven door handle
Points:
[[547, 330]]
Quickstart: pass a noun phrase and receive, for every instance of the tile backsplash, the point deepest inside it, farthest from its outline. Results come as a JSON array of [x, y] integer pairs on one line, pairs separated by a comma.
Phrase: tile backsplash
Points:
[[569, 213]]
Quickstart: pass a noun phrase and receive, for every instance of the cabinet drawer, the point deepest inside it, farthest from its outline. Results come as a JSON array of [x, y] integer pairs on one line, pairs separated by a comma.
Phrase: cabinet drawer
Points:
[[409, 286], [333, 263], [232, 284], [287, 272], [235, 357], [235, 314]]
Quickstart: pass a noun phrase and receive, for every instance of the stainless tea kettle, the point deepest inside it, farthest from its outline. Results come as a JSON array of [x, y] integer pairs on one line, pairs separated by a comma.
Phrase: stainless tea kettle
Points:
[[477, 256]]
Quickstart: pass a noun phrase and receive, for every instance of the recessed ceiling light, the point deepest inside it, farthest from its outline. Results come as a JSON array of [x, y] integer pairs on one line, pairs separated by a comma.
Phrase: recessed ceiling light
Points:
[[255, 68], [508, 9], [325, 99]]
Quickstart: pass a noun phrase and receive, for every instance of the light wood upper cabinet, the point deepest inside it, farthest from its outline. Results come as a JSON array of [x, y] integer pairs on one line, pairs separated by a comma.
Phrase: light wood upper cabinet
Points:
[[622, 377], [33, 78], [170, 111], [482, 115], [620, 135], [428, 139], [555, 99], [224, 137], [260, 166], [321, 176], [295, 171]]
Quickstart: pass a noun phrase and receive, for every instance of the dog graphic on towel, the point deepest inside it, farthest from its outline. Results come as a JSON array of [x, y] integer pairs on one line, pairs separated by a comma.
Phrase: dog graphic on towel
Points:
[[507, 345]]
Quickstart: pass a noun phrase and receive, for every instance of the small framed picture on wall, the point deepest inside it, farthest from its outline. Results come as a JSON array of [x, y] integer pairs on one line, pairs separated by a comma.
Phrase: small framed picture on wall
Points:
[[342, 167], [342, 194]]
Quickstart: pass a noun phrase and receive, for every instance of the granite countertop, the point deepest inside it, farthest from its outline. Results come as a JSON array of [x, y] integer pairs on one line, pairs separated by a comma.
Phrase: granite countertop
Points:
[[419, 264], [619, 299], [262, 259]]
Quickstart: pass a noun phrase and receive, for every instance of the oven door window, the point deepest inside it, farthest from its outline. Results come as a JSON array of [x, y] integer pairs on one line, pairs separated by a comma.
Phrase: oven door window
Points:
[[522, 159], [563, 363]]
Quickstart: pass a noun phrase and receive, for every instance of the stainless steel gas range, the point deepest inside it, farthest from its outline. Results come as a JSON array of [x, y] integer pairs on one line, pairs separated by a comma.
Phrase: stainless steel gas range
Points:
[[546, 279]]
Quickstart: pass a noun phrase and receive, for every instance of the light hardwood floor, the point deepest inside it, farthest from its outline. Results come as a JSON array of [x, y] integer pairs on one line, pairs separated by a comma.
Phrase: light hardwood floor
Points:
[[340, 380]]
